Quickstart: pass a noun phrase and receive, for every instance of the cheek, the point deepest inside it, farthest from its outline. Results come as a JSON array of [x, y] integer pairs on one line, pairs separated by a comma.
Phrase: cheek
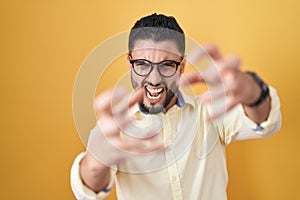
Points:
[[173, 83], [135, 80]]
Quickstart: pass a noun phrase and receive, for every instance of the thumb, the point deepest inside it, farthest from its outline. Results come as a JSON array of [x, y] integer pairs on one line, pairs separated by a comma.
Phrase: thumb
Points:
[[136, 96]]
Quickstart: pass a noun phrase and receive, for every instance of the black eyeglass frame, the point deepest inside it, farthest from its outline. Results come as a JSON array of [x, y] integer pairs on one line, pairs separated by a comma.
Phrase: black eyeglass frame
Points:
[[177, 63]]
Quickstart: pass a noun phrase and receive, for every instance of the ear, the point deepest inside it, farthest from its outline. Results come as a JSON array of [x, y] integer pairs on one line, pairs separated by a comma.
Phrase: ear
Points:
[[182, 66], [128, 59]]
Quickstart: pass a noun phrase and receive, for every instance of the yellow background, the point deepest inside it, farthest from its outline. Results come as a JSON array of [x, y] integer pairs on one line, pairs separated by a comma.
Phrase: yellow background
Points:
[[43, 44]]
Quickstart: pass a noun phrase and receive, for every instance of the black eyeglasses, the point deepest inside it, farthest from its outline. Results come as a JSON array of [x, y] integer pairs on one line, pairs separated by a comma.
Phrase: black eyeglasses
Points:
[[166, 68]]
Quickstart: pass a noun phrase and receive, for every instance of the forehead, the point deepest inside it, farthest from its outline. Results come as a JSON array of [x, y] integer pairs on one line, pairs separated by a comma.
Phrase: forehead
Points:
[[155, 47]]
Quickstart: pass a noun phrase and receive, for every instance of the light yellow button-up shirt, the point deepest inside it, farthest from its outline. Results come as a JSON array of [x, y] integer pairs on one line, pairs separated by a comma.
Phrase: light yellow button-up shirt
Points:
[[194, 164]]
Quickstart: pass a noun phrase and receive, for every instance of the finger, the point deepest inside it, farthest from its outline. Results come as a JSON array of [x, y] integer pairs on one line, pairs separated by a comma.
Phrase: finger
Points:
[[145, 128], [102, 103], [137, 145], [136, 97], [191, 78], [141, 148], [232, 62], [99, 144], [121, 107], [112, 125], [195, 55], [213, 95], [150, 148], [213, 51], [121, 110], [230, 104], [199, 52], [109, 127]]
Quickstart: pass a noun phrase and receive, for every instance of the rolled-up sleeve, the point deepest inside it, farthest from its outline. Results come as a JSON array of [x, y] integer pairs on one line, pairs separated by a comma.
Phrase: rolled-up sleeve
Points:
[[238, 126], [81, 191]]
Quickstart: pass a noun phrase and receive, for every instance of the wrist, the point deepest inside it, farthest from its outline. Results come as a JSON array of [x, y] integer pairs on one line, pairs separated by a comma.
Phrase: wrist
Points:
[[94, 174], [93, 164], [262, 91]]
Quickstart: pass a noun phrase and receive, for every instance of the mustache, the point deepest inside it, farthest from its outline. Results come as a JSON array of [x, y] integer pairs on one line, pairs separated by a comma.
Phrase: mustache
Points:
[[156, 85]]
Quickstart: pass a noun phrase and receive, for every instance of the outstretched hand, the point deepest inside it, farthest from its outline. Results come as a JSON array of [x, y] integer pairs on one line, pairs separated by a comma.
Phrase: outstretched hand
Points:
[[108, 141], [225, 77]]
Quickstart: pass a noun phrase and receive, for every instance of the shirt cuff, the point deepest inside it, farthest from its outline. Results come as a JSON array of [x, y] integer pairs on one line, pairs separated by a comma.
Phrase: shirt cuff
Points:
[[273, 122], [81, 191]]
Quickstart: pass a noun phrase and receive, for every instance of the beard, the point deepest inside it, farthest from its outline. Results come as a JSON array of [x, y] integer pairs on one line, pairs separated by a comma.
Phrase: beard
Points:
[[156, 108]]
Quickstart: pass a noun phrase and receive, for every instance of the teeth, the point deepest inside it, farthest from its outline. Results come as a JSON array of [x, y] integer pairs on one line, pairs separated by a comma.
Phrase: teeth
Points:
[[153, 97], [154, 93], [154, 90]]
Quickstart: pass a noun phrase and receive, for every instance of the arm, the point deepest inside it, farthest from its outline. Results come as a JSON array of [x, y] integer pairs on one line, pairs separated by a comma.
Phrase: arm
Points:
[[260, 112], [94, 174], [255, 96], [80, 188], [229, 84], [238, 125]]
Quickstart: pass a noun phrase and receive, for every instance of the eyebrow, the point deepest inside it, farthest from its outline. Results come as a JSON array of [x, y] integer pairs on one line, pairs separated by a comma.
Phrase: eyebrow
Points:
[[166, 59]]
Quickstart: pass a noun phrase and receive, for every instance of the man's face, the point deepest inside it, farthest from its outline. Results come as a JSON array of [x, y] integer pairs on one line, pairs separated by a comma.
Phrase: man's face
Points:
[[159, 91]]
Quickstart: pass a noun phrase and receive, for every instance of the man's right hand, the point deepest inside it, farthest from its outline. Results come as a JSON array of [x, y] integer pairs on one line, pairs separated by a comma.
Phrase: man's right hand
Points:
[[107, 144]]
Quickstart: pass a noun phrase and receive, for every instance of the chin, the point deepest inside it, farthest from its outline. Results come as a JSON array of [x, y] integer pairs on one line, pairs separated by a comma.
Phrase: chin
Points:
[[156, 110], [153, 109]]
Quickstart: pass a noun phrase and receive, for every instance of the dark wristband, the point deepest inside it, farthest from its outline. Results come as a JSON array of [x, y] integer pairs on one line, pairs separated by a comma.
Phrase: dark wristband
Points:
[[265, 89]]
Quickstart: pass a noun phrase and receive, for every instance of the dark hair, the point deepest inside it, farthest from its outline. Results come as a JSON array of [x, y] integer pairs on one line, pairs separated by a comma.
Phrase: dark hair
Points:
[[157, 28]]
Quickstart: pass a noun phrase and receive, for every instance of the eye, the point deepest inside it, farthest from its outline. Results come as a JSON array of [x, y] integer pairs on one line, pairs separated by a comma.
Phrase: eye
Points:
[[169, 64], [142, 63]]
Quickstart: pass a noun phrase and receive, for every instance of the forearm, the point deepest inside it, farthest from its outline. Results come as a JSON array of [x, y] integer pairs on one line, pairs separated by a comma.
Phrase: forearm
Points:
[[94, 174], [260, 112]]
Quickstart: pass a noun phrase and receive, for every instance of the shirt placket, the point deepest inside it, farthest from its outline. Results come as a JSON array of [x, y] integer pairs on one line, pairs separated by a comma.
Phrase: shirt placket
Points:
[[171, 160]]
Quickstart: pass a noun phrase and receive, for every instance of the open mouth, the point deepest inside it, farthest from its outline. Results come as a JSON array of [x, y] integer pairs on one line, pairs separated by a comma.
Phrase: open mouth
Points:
[[154, 93]]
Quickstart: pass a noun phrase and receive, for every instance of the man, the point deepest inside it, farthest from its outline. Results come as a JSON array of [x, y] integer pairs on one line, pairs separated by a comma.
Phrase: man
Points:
[[183, 157]]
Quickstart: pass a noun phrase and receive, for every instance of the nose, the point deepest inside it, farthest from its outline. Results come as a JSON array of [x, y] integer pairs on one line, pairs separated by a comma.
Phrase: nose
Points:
[[154, 77]]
